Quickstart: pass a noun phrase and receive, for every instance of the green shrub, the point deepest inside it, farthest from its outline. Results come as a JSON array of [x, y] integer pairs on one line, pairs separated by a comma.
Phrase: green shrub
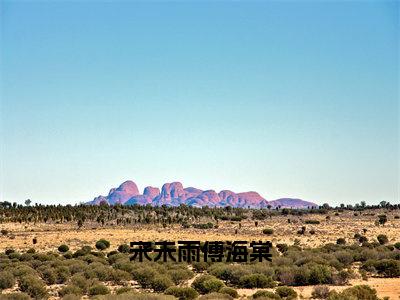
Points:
[[182, 293], [206, 284], [102, 244], [282, 247], [215, 296], [124, 248], [397, 245], [388, 267], [15, 296], [98, 289], [320, 274], [70, 290], [230, 291], [49, 275], [265, 295], [33, 286], [286, 293], [316, 222], [180, 275], [63, 248], [341, 241], [320, 292], [7, 280], [382, 239], [268, 231], [160, 283], [256, 281], [363, 292], [123, 290]]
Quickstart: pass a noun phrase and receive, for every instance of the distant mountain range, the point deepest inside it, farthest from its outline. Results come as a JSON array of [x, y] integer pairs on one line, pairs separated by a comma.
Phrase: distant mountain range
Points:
[[173, 194]]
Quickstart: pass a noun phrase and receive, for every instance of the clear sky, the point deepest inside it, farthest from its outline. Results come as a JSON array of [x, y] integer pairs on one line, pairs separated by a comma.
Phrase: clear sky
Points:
[[285, 98]]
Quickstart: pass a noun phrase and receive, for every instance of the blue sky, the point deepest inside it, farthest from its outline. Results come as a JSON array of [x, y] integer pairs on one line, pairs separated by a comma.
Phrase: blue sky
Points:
[[290, 99]]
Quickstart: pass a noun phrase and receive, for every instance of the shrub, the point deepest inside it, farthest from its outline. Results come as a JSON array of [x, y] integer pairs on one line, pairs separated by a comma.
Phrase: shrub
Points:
[[341, 241], [33, 286], [397, 245], [359, 292], [49, 275], [388, 267], [70, 290], [15, 296], [268, 231], [160, 283], [63, 248], [286, 292], [320, 274], [206, 284], [215, 296], [98, 289], [102, 244], [123, 290], [316, 222], [179, 275], [320, 292], [182, 293], [256, 281], [265, 295], [230, 291], [124, 248], [7, 280], [382, 239], [4, 231], [282, 247], [208, 225]]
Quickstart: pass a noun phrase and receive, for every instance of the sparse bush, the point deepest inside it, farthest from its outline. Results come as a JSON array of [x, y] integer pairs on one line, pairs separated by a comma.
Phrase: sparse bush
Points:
[[320, 292], [355, 292], [256, 281], [63, 248], [123, 290], [268, 231], [397, 245], [70, 290], [7, 280], [282, 247], [341, 241], [182, 293], [160, 283], [15, 296], [265, 295], [230, 291], [382, 239], [286, 292], [98, 289], [207, 284], [388, 267], [33, 286], [315, 222], [215, 296], [124, 248]]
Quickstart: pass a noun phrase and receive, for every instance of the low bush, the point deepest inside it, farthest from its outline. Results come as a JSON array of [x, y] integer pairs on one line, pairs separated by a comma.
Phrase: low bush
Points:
[[102, 244], [206, 284], [320, 292], [286, 293], [15, 296], [230, 291], [63, 248], [256, 281], [7, 280], [355, 292], [124, 248], [268, 231], [382, 239], [182, 293], [215, 296], [70, 290], [33, 286], [98, 289], [160, 283], [265, 295], [316, 222]]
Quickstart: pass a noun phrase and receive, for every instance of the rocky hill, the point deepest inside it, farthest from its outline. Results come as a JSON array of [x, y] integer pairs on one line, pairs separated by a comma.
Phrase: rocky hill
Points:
[[174, 194]]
